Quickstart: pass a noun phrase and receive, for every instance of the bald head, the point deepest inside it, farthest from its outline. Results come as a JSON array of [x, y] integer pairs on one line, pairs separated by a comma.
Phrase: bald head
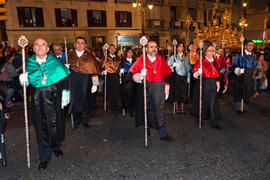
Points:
[[40, 47], [57, 49]]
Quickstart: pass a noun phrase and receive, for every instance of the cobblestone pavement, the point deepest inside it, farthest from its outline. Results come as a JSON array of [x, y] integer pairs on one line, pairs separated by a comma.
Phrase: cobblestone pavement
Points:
[[113, 148]]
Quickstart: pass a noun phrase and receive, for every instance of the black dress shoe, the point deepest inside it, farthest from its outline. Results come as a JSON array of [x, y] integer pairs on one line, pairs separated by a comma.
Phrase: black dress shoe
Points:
[[76, 126], [86, 126], [198, 122], [239, 112], [131, 112], [167, 138], [58, 153], [43, 165], [216, 127]]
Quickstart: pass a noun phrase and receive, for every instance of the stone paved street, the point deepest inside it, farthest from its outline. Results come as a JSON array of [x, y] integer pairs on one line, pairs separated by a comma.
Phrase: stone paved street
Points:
[[113, 148]]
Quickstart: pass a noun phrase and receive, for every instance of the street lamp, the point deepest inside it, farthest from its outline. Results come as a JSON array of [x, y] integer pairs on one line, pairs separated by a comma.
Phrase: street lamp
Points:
[[245, 8], [142, 5]]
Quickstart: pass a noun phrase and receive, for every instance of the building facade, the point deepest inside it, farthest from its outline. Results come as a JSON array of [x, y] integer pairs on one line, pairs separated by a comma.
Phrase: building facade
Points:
[[112, 21], [258, 17]]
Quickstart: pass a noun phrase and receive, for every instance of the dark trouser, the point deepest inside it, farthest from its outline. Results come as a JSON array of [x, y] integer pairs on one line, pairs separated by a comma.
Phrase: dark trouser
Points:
[[210, 106], [128, 95], [45, 153], [243, 86], [113, 89], [80, 86], [155, 106], [48, 119], [181, 88], [139, 105]]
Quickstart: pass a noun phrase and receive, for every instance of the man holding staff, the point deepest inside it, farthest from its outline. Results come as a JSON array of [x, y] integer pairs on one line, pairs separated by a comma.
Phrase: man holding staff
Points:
[[83, 81], [155, 72], [48, 86], [113, 84], [243, 66]]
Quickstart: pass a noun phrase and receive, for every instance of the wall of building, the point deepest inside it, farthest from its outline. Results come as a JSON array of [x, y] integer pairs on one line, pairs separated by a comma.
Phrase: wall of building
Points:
[[160, 12]]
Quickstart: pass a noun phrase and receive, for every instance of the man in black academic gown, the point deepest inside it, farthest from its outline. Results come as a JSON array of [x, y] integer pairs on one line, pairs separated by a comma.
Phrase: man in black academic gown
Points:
[[49, 91]]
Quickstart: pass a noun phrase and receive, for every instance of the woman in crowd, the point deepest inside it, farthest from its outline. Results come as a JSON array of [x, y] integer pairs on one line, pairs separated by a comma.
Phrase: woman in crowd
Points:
[[127, 84], [180, 77], [210, 86], [259, 75]]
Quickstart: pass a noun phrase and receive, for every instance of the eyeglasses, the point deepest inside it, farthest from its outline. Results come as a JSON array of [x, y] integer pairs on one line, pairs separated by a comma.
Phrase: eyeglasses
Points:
[[210, 50]]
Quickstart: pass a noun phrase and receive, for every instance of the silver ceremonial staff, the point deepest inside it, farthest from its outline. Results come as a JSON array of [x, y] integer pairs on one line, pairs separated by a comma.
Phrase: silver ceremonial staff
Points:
[[200, 107], [242, 59], [66, 52], [143, 42], [105, 48], [190, 48], [174, 55], [23, 43], [121, 75]]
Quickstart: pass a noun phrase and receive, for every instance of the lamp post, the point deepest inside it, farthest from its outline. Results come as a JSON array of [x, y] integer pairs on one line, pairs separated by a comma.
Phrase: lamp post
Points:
[[245, 8], [142, 5]]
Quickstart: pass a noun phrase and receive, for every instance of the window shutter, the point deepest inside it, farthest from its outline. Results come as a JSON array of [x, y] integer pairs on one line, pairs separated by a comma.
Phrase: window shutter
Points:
[[117, 20], [129, 15], [58, 17], [104, 18], [20, 16], [89, 18], [39, 17], [74, 17]]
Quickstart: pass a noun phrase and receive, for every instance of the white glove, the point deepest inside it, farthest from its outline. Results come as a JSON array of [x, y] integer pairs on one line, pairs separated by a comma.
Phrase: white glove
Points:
[[65, 98], [222, 70], [93, 89], [196, 74], [242, 70], [104, 72], [218, 86], [137, 78], [67, 65], [237, 71], [122, 71], [167, 91], [225, 90], [200, 71], [24, 79], [174, 64], [143, 72]]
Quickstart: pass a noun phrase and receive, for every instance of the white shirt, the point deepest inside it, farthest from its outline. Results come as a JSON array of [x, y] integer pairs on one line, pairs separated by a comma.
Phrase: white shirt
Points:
[[217, 55], [248, 53], [59, 56], [112, 55], [181, 56], [210, 60], [79, 54], [152, 59], [129, 60], [40, 61]]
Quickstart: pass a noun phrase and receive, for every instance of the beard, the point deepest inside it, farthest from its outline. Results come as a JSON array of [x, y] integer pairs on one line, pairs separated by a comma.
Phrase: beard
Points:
[[153, 53]]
